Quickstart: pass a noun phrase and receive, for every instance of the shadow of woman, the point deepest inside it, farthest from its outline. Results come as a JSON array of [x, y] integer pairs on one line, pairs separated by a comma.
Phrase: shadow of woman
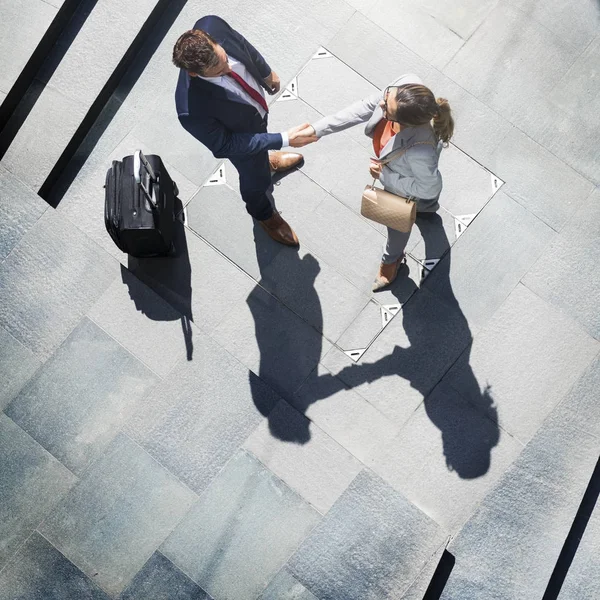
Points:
[[467, 436], [288, 348], [171, 278]]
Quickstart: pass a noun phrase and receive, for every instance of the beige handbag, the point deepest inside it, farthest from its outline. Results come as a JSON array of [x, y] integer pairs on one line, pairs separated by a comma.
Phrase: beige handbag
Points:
[[386, 208]]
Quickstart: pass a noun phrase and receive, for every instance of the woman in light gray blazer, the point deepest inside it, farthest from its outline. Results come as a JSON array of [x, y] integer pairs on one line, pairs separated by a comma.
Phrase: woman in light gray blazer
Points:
[[407, 116]]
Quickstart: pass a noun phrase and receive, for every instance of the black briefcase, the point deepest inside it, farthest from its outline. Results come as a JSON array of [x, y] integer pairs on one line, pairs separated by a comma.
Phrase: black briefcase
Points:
[[139, 206]]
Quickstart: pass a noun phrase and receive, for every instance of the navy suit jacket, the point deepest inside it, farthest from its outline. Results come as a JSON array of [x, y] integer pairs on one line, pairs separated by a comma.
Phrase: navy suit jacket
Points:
[[222, 121]]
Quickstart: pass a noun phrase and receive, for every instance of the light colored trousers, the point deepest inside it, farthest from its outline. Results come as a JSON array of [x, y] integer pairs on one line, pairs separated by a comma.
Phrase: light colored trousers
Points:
[[397, 240]]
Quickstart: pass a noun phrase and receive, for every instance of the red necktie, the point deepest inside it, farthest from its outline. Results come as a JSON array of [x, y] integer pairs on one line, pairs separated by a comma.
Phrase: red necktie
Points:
[[256, 96]]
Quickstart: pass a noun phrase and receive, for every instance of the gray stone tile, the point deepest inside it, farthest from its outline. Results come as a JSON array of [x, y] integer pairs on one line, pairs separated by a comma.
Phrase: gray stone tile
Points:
[[272, 341], [248, 523], [489, 259], [20, 208], [576, 24], [344, 415], [71, 407], [362, 331], [284, 587], [583, 577], [241, 240], [408, 359], [200, 283], [509, 59], [580, 407], [432, 236], [371, 544], [532, 509], [116, 516], [201, 414], [23, 25], [316, 466], [527, 357], [448, 456], [567, 273], [54, 118], [49, 281], [160, 579], [426, 36], [142, 322], [360, 39], [315, 291], [537, 180], [17, 365], [420, 585], [40, 572], [33, 481], [467, 185], [344, 241]]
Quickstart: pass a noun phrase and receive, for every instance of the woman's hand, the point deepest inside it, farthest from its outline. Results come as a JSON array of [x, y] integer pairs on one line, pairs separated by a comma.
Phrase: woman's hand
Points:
[[375, 169]]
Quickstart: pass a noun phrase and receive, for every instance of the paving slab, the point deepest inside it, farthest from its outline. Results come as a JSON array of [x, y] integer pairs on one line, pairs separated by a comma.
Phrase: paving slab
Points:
[[316, 466], [567, 273], [271, 341], [539, 181], [527, 358], [17, 365], [24, 23], [70, 406], [489, 259], [201, 413], [49, 281], [431, 39], [73, 88], [509, 59], [20, 208], [40, 572], [112, 521], [531, 509], [285, 587], [344, 415], [142, 322], [199, 282], [433, 235], [371, 544], [241, 531], [448, 456], [160, 579], [33, 481], [408, 359]]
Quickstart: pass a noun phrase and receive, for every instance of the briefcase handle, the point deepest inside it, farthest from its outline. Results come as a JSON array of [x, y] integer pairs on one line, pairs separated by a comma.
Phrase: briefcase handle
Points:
[[143, 179]]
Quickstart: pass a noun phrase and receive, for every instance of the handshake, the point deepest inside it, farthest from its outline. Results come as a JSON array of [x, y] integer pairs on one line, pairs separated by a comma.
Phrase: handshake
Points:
[[302, 135]]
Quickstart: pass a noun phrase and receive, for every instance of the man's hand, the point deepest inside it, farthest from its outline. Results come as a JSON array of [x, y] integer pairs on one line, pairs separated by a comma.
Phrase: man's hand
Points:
[[375, 169], [302, 135], [273, 82]]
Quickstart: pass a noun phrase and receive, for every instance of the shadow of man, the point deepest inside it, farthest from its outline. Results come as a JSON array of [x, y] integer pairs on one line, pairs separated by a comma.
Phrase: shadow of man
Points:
[[171, 278], [281, 350]]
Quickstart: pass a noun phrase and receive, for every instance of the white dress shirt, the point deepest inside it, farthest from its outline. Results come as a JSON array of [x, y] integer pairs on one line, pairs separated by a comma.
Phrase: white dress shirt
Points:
[[233, 86]]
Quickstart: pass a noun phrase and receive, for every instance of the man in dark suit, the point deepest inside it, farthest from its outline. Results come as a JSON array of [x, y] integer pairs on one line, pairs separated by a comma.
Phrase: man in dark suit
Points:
[[220, 100]]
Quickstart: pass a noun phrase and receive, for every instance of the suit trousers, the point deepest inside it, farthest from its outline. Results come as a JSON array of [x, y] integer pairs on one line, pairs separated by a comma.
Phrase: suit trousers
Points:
[[255, 182], [397, 240]]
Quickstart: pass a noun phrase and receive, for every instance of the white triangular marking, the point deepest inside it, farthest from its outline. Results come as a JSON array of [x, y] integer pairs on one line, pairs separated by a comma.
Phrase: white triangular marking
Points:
[[497, 183], [218, 177], [461, 222], [290, 92], [355, 355], [428, 265], [388, 312], [322, 53]]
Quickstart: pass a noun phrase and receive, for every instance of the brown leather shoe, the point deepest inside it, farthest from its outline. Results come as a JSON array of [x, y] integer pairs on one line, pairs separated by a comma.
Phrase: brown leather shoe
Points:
[[284, 161], [279, 230], [387, 274]]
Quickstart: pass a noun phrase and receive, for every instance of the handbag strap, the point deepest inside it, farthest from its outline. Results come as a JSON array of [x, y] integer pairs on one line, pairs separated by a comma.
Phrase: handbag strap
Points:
[[390, 157]]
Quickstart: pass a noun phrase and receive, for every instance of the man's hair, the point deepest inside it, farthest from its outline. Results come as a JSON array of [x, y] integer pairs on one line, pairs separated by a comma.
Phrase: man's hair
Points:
[[195, 51]]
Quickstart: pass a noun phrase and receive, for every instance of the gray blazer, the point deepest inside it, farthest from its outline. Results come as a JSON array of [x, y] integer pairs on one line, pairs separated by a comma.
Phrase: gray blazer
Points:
[[413, 174]]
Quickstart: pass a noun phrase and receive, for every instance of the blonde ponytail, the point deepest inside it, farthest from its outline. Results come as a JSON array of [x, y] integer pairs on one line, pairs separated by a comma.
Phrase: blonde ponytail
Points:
[[443, 123]]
